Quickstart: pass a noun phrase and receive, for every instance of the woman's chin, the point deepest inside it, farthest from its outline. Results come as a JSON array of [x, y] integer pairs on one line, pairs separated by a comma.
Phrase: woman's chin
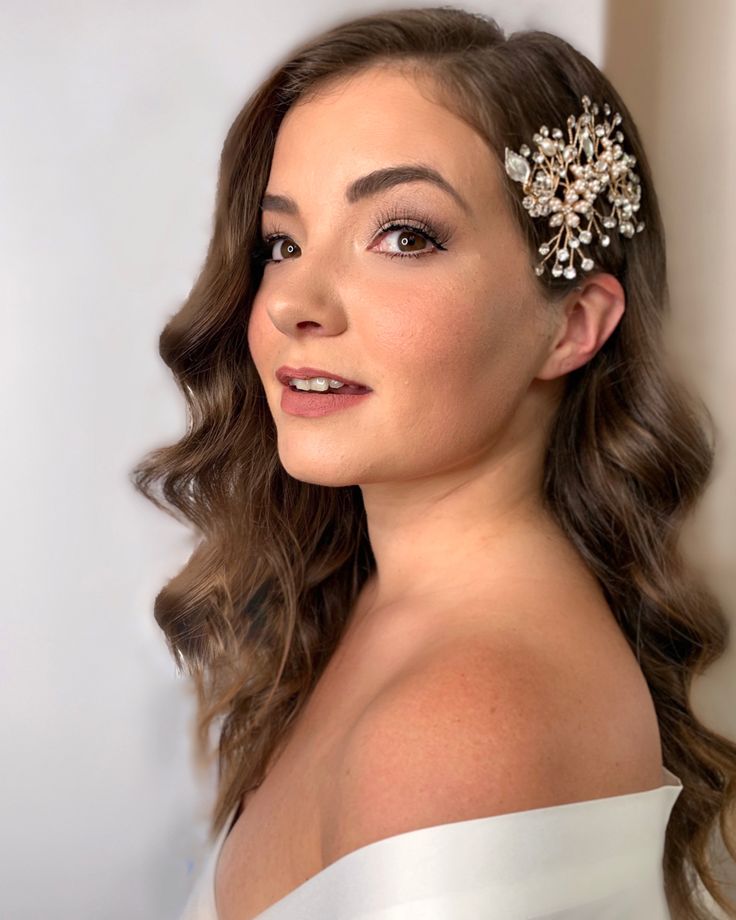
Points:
[[319, 473]]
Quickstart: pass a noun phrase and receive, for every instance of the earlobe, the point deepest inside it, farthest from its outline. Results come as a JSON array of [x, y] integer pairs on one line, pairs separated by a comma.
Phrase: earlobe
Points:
[[588, 317]]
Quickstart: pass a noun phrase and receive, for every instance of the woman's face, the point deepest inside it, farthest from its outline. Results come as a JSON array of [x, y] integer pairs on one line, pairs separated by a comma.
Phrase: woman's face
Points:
[[449, 339]]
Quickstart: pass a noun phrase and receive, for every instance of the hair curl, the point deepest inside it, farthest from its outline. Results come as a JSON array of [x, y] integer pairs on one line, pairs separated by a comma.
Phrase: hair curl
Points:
[[260, 605]]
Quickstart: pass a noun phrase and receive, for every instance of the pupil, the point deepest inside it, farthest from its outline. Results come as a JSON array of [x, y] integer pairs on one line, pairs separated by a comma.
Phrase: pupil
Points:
[[408, 239]]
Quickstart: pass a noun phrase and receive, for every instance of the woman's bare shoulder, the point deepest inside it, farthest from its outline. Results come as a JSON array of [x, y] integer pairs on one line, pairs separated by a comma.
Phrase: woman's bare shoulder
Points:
[[552, 680], [486, 723]]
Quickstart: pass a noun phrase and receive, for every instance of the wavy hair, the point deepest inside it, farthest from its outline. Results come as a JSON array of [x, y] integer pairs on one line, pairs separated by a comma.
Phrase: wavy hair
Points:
[[257, 611]]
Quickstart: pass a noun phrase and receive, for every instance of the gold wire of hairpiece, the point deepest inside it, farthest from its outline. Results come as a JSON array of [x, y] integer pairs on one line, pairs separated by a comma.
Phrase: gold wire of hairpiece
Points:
[[559, 165]]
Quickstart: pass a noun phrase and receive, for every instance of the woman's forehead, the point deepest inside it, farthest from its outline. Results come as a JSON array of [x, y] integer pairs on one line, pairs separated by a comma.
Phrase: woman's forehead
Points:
[[381, 124]]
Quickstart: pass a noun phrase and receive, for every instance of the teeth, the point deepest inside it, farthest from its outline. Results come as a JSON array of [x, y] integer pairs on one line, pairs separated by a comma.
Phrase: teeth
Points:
[[315, 383]]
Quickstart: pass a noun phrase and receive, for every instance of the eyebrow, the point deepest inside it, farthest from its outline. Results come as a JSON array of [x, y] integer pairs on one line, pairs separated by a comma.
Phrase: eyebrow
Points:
[[372, 184]]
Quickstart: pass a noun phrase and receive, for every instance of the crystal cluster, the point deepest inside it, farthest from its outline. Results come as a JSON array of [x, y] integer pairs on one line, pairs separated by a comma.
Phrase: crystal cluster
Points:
[[560, 184]]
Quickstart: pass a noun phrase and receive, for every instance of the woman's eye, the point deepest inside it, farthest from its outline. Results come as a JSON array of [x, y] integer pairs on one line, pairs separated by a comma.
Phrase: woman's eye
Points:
[[268, 245], [411, 241]]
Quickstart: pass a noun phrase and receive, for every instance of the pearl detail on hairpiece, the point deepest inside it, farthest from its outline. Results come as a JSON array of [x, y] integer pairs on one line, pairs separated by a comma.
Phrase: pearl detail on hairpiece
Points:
[[559, 168]]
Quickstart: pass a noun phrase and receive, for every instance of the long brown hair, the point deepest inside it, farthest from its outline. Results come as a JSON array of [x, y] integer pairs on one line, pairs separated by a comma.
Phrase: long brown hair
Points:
[[255, 614]]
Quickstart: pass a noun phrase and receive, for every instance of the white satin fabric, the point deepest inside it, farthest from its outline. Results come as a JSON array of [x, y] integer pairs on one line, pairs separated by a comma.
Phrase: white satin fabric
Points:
[[595, 860]]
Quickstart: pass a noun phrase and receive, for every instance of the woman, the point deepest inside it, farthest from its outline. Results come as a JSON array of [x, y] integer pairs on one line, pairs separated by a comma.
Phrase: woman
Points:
[[440, 608]]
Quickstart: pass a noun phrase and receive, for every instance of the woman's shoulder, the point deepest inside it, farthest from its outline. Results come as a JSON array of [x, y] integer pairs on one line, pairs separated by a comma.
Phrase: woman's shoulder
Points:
[[488, 720], [525, 666], [527, 680]]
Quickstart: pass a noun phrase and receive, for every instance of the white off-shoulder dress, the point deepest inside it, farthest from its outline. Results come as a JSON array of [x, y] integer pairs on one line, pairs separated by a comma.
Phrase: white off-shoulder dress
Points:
[[600, 859]]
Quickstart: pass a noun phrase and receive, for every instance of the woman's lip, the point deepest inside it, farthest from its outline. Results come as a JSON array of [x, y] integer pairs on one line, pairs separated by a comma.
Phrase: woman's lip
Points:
[[286, 373], [315, 405]]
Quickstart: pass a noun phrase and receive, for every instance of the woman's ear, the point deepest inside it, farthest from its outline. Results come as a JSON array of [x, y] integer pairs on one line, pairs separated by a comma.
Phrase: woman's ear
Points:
[[588, 316]]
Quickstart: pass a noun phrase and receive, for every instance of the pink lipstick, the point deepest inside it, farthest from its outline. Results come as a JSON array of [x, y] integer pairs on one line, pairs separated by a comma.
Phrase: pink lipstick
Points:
[[315, 403]]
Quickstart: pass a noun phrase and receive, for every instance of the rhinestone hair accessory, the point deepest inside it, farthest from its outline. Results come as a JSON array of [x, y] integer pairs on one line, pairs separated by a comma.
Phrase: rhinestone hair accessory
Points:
[[558, 166]]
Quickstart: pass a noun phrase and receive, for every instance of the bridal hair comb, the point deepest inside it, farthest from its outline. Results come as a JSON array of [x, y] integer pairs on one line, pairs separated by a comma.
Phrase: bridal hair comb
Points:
[[558, 165]]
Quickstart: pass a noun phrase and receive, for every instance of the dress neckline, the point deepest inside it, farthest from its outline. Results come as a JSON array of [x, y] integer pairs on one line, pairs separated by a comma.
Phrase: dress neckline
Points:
[[672, 786]]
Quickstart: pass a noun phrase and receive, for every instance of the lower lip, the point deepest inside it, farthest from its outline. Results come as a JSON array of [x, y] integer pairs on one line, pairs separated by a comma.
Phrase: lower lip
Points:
[[312, 405]]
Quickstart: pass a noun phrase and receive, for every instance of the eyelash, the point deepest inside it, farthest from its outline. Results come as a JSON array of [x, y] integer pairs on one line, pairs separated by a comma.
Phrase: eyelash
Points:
[[388, 221]]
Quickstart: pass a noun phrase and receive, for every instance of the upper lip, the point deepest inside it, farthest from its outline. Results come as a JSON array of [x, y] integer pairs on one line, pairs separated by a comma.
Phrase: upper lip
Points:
[[286, 373]]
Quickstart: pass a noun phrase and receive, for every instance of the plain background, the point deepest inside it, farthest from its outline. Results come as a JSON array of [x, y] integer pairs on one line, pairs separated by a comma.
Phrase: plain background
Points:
[[112, 118]]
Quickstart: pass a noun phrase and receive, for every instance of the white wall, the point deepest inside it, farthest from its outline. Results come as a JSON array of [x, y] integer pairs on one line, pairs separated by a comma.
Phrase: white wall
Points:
[[112, 118]]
